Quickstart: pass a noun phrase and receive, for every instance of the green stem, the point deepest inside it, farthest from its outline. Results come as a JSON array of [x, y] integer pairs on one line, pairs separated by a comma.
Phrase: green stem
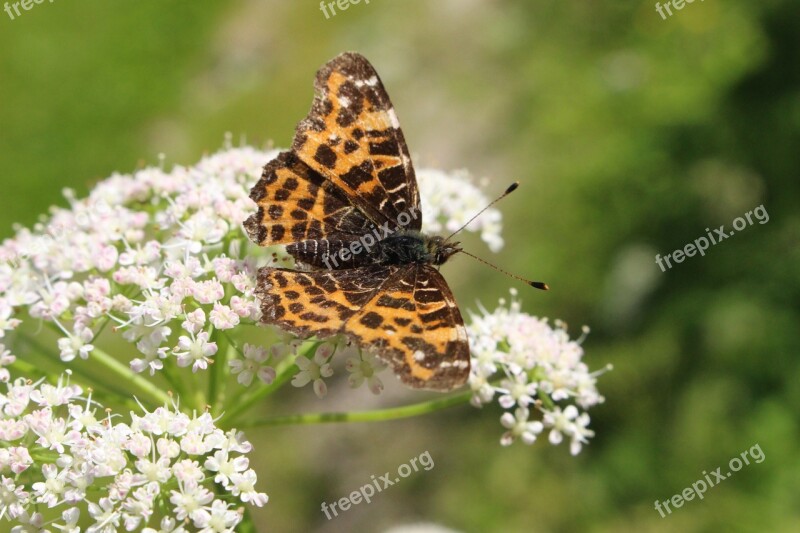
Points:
[[380, 415], [217, 367], [126, 375]]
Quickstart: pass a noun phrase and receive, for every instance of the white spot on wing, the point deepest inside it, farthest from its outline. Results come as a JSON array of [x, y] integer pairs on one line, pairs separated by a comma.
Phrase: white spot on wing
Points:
[[419, 355], [393, 118]]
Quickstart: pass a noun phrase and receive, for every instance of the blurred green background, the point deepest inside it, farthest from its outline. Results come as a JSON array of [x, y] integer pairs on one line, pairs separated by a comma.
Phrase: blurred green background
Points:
[[630, 134]]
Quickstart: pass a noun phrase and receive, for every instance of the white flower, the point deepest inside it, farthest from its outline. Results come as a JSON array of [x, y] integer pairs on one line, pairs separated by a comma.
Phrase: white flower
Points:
[[223, 317], [196, 351], [218, 517], [561, 422], [313, 370], [364, 369], [519, 426], [77, 344], [253, 364]]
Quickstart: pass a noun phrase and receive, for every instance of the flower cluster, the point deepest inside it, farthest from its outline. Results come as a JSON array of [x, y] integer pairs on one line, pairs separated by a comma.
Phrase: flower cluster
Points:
[[157, 254], [450, 200], [122, 475], [538, 367]]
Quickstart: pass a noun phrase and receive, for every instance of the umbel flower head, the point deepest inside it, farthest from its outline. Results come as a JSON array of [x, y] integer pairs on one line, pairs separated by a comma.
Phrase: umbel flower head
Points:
[[142, 293]]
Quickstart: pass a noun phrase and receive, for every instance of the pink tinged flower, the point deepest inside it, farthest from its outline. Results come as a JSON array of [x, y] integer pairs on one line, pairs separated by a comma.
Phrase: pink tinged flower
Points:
[[105, 514], [139, 445], [189, 268], [520, 427], [136, 510], [244, 283], [6, 322], [223, 317], [224, 268], [153, 352], [5, 359], [168, 448], [158, 471], [105, 257], [225, 466], [363, 369], [218, 517], [77, 344], [16, 401], [195, 321], [243, 485], [193, 443], [195, 351], [16, 458], [70, 518], [313, 370], [12, 430], [50, 490], [189, 499], [167, 525], [13, 498], [253, 364], [244, 308], [208, 291], [188, 471], [141, 255]]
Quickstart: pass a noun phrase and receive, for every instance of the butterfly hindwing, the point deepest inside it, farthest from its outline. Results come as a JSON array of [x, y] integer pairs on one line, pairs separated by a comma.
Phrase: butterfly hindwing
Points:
[[352, 137], [416, 327], [405, 314]]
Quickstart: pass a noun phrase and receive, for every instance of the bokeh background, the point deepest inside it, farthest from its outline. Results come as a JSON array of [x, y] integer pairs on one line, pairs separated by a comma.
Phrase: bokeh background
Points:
[[631, 134]]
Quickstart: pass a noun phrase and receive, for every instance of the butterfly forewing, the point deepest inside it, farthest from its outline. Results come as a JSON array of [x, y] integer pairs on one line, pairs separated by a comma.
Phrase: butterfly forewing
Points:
[[352, 137]]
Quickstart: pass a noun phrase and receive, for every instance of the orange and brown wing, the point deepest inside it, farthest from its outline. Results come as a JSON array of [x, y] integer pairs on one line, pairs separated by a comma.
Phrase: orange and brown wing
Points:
[[414, 324], [297, 204], [353, 138], [405, 314], [318, 302]]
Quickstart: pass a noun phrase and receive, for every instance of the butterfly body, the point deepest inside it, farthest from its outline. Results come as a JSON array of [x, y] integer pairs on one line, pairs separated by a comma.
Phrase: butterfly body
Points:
[[413, 247], [345, 203]]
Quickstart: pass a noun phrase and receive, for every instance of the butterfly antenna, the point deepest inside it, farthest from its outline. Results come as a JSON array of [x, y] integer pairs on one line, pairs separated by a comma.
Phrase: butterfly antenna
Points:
[[510, 189], [534, 284]]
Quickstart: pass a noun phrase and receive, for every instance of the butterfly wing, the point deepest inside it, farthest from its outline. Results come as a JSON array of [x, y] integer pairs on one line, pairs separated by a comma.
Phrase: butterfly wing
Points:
[[299, 207], [414, 324], [353, 138], [406, 314]]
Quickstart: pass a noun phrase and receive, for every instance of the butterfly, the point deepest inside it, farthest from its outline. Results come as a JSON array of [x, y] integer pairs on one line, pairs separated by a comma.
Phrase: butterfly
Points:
[[345, 202]]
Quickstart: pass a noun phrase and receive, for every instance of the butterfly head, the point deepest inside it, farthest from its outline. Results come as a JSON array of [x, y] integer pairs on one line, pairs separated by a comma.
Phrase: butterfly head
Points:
[[440, 249]]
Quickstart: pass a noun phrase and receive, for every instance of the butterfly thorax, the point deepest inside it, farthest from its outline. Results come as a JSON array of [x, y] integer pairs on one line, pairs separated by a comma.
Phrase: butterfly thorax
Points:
[[407, 247]]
